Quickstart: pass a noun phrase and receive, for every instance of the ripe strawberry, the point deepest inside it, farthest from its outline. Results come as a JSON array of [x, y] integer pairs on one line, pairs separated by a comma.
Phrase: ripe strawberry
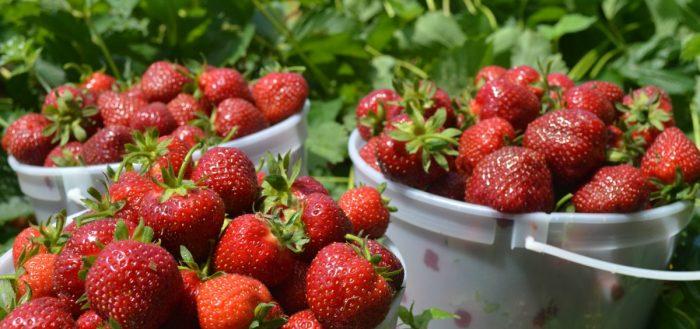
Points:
[[560, 81], [162, 81], [426, 98], [185, 314], [613, 189], [592, 100], [106, 146], [231, 301], [25, 140], [368, 152], [135, 92], [72, 113], [279, 95], [218, 84], [367, 210], [24, 242], [98, 82], [90, 320], [672, 151], [305, 185], [324, 222], [344, 288], [130, 189], [512, 180], [64, 155], [525, 76], [153, 154], [137, 284], [613, 93], [231, 174], [572, 141], [189, 135], [155, 115], [117, 109], [44, 313], [51, 98], [239, 114], [399, 165], [302, 320], [488, 74], [389, 263], [512, 102], [291, 293], [647, 112], [450, 185], [184, 108], [373, 110], [480, 140], [37, 274]]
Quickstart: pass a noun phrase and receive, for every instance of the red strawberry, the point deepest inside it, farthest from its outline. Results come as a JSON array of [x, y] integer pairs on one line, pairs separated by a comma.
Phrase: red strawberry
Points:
[[279, 95], [24, 139], [231, 174], [572, 141], [441, 100], [23, 243], [672, 151], [259, 247], [373, 110], [512, 180], [397, 164], [368, 152], [51, 99], [389, 263], [525, 76], [38, 275], [488, 73], [324, 222], [592, 100], [344, 290], [184, 108], [185, 315], [64, 155], [130, 189], [162, 81], [189, 135], [613, 93], [154, 115], [98, 82], [480, 140], [137, 284], [302, 320], [135, 92], [117, 109], [72, 113], [615, 189], [44, 313], [426, 98], [153, 154], [450, 185], [291, 293], [239, 114], [218, 84], [507, 100], [90, 320], [647, 112], [367, 210], [615, 136], [305, 185], [106, 146], [560, 81], [229, 301]]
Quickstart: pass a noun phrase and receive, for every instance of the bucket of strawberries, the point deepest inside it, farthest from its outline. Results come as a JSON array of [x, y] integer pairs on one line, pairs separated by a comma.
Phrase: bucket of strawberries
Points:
[[84, 128], [211, 244], [531, 201]]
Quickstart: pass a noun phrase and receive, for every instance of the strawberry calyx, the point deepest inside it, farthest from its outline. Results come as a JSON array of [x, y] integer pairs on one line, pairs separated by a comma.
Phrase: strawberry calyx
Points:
[[262, 317], [463, 109], [177, 185], [68, 118], [206, 123], [361, 247], [385, 199], [67, 159], [188, 262], [374, 120], [679, 190], [51, 234], [277, 185], [144, 151], [629, 150], [417, 95], [291, 232], [101, 206], [645, 112], [276, 67], [9, 293]]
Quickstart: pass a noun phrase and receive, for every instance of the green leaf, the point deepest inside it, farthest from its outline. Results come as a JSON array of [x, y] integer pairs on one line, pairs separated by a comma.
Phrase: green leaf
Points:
[[382, 71], [324, 111], [691, 47], [568, 24], [436, 29], [612, 7], [423, 320], [664, 14], [328, 140]]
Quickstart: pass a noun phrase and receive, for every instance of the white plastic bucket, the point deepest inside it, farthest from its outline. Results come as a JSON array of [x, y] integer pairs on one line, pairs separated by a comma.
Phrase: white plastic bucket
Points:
[[6, 267], [52, 189], [487, 266]]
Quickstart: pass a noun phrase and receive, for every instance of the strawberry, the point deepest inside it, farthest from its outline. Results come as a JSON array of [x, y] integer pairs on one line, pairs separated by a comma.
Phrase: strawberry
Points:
[[592, 100], [283, 187], [368, 152], [153, 154], [163, 80], [399, 165], [510, 101], [72, 113], [279, 95], [185, 107], [48, 237], [388, 263], [344, 288], [291, 293], [450, 185], [305, 185], [106, 146], [189, 135], [25, 140], [560, 81], [647, 112], [487, 74], [90, 320], [129, 189], [239, 114], [154, 115], [480, 140], [260, 246], [373, 110], [302, 320], [324, 222], [64, 155], [613, 93], [367, 210], [98, 82], [185, 315], [572, 141], [37, 274], [512, 180], [614, 189], [24, 243], [525, 76], [672, 151], [52, 97], [135, 91], [218, 84], [135, 283], [117, 109], [44, 313], [426, 98], [231, 174], [232, 301]]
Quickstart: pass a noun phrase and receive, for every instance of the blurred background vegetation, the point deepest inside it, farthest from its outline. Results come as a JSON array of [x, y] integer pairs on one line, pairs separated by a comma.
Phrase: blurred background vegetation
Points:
[[350, 47]]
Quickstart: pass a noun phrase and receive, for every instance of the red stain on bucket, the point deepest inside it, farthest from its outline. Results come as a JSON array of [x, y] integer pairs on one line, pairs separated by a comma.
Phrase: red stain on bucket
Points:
[[430, 258], [464, 318], [544, 315], [617, 291]]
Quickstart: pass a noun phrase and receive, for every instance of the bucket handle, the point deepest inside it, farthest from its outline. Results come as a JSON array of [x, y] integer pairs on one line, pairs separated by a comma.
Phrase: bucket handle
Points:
[[540, 247]]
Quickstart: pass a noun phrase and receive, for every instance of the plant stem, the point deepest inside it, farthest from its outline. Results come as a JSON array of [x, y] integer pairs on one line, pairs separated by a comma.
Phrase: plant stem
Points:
[[696, 123], [416, 70], [97, 40]]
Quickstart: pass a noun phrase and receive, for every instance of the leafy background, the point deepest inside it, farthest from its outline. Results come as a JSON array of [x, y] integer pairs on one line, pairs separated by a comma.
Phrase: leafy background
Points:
[[351, 47]]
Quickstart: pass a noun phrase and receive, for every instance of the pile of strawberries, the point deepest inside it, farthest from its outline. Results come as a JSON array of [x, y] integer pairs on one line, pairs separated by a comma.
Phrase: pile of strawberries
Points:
[[288, 249], [519, 140], [89, 123]]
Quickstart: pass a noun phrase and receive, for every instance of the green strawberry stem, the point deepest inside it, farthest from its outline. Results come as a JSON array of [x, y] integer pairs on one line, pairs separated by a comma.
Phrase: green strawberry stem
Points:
[[177, 184], [290, 233], [679, 190], [261, 320], [360, 246], [276, 188], [52, 235]]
